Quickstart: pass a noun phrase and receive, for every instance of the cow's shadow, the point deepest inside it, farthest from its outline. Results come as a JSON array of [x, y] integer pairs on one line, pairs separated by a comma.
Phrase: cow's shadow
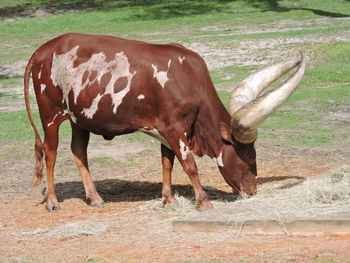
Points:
[[117, 190], [271, 179]]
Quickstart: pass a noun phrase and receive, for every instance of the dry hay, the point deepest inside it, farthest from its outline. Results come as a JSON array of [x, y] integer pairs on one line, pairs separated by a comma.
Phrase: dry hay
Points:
[[320, 196], [185, 206], [71, 230], [323, 196], [78, 229]]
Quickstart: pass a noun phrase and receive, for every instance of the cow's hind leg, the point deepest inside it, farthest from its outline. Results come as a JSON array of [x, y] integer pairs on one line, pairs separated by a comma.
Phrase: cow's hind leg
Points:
[[50, 149], [167, 163], [79, 144]]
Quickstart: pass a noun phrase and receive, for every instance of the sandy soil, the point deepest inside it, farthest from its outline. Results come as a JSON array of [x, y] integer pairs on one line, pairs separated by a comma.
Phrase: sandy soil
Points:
[[133, 226]]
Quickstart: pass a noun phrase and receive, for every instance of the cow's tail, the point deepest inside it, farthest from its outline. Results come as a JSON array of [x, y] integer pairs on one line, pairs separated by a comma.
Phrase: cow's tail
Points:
[[39, 152]]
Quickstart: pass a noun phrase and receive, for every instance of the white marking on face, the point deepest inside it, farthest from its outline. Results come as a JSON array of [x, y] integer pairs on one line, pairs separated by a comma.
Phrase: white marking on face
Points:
[[141, 97], [181, 59], [155, 134], [54, 118], [70, 78], [184, 150], [218, 160], [161, 76], [42, 87]]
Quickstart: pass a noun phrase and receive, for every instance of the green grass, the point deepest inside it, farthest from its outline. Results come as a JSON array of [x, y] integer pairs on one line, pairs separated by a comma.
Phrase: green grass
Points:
[[106, 161], [229, 75], [15, 126], [310, 122], [178, 19], [302, 121]]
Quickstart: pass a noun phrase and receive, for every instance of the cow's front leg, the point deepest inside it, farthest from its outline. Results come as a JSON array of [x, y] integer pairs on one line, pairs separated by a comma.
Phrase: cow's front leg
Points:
[[180, 146], [167, 164], [79, 144]]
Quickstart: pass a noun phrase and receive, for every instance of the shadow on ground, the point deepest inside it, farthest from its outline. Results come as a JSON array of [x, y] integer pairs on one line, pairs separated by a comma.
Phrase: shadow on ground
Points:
[[116, 190], [271, 179]]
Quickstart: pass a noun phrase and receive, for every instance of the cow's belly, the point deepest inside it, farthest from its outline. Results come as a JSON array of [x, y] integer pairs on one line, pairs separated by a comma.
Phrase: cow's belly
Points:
[[155, 134]]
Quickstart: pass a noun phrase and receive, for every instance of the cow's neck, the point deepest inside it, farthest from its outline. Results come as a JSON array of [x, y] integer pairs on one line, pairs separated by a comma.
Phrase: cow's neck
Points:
[[206, 139]]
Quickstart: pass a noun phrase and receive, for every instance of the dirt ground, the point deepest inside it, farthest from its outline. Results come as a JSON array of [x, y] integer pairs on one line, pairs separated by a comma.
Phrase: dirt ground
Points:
[[133, 226]]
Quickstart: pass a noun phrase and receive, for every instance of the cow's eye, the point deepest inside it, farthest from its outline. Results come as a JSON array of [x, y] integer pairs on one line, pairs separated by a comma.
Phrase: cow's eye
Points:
[[250, 157]]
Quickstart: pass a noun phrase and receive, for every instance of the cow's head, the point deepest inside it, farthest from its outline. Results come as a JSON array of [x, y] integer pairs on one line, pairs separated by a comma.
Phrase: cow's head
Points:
[[248, 111]]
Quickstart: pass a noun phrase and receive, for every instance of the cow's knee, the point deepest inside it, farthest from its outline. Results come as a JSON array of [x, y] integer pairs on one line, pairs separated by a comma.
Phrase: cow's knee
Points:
[[190, 167]]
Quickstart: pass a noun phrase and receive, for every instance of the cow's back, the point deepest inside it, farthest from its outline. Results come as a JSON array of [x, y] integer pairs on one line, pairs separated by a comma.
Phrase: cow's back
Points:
[[111, 86]]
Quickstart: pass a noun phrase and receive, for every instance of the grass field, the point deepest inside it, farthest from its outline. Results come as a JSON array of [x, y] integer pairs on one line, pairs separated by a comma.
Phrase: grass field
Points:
[[215, 25]]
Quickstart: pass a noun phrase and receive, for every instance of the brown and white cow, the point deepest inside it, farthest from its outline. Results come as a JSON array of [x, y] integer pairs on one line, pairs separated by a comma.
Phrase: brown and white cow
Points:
[[112, 86]]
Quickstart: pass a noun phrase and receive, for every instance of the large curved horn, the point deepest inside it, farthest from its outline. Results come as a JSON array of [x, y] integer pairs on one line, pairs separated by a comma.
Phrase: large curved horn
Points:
[[248, 111]]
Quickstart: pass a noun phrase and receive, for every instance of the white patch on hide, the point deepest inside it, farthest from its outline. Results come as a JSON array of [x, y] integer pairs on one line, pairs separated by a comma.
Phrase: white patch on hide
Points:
[[73, 118], [141, 97], [184, 150], [41, 68], [42, 87], [218, 160], [181, 59], [70, 78], [89, 112], [155, 134], [54, 118], [161, 76]]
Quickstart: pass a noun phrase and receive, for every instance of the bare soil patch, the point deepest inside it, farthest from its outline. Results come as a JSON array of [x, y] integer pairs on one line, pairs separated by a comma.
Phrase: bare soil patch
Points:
[[261, 51], [13, 70], [134, 227]]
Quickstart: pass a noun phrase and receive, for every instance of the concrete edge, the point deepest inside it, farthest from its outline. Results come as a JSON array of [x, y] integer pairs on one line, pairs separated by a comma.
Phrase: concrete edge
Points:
[[302, 226]]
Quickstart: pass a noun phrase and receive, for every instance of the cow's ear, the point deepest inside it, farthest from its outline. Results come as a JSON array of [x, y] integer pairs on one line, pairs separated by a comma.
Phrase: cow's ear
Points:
[[225, 132]]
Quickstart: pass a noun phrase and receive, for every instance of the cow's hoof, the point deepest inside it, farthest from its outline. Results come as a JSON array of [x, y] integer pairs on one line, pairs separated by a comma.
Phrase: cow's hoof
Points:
[[205, 205], [98, 204], [52, 207], [170, 202], [51, 203]]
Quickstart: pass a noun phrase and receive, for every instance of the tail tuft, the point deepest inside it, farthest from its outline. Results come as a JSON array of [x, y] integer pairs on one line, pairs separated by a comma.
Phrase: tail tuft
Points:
[[39, 154]]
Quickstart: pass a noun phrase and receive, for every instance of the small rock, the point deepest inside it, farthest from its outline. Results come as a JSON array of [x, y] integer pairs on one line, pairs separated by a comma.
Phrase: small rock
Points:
[[194, 246], [41, 12]]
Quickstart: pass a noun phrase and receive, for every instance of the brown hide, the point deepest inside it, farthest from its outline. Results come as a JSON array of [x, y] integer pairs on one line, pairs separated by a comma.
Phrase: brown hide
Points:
[[112, 86]]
